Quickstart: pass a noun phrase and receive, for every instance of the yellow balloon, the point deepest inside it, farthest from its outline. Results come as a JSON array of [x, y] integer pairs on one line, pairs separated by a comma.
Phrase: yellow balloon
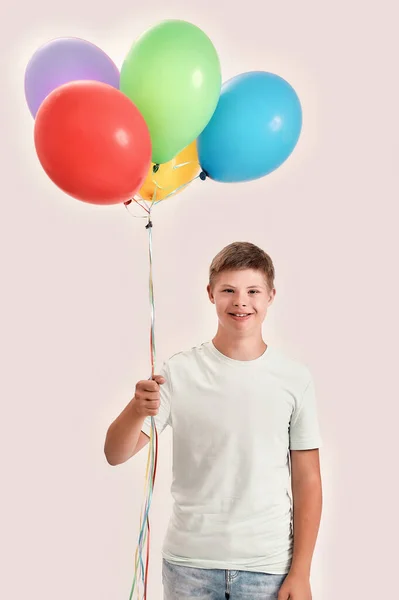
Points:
[[171, 175]]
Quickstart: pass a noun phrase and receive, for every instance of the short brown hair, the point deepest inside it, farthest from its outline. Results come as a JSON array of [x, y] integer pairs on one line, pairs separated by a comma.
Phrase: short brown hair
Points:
[[239, 256]]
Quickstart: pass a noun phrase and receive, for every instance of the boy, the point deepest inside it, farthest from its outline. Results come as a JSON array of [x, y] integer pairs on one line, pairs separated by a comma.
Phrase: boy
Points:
[[244, 418]]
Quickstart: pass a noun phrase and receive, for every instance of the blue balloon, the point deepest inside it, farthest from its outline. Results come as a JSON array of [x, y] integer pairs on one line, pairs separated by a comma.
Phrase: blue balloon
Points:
[[254, 129]]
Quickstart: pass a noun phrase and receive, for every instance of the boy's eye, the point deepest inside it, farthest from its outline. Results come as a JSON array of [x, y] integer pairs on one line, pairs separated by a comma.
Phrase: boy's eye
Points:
[[250, 291]]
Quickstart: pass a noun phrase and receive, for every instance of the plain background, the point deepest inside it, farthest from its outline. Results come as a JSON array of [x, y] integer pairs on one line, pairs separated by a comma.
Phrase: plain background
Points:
[[74, 296]]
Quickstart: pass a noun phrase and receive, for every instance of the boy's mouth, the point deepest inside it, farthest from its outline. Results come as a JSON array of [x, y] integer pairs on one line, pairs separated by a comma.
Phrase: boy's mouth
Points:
[[240, 316]]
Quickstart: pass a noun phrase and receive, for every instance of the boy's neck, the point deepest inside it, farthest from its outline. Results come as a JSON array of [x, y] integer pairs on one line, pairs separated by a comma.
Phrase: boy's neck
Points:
[[244, 348]]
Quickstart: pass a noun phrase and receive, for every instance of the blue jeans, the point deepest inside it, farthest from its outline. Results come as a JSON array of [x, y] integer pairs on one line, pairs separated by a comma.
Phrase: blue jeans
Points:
[[187, 583]]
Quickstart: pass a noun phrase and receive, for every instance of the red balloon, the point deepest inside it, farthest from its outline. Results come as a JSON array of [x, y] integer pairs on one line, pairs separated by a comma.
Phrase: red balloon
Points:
[[93, 142]]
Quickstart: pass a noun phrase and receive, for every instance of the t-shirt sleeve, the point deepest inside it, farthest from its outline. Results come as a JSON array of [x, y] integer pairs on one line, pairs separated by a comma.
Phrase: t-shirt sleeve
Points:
[[304, 425], [162, 419]]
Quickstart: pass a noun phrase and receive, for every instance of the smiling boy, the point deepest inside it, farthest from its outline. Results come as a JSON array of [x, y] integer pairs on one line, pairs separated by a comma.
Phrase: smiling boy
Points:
[[246, 477]]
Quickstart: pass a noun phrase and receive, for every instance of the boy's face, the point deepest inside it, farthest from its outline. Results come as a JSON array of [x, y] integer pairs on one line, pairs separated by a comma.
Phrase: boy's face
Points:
[[241, 299]]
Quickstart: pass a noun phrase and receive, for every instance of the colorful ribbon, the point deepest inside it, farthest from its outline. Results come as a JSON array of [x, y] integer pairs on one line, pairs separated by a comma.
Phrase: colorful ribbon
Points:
[[141, 566]]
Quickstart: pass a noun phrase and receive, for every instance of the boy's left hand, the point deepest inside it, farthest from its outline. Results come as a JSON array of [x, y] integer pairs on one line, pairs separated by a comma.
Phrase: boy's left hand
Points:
[[295, 587]]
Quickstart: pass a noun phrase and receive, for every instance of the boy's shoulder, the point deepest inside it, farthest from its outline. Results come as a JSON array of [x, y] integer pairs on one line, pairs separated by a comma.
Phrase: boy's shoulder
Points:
[[286, 366], [288, 359], [188, 354]]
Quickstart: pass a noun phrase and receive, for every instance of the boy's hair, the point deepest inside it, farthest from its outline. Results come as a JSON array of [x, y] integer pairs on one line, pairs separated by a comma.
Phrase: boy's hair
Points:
[[239, 256]]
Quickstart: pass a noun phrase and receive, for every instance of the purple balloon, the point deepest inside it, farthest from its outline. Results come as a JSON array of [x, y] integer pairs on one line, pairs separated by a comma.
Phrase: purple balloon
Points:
[[63, 60]]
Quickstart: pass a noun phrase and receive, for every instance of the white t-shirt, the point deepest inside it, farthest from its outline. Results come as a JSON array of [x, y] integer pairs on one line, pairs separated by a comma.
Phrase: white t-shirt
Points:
[[234, 423]]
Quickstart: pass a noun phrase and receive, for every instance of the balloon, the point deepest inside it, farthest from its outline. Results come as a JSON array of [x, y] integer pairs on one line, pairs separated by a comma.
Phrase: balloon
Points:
[[172, 74], [171, 176], [63, 60], [254, 129], [93, 142]]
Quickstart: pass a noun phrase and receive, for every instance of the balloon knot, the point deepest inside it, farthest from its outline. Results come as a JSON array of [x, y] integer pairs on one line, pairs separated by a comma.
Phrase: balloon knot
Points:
[[128, 202], [203, 175], [155, 168]]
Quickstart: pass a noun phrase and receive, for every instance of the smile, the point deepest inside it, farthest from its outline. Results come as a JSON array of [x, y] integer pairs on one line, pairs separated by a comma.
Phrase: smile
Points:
[[240, 316]]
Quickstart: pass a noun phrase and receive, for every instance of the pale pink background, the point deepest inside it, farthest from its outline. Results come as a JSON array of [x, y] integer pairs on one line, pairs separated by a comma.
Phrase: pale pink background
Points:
[[74, 299]]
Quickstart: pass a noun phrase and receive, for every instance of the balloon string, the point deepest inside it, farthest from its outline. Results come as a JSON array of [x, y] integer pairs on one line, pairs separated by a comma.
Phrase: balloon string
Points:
[[179, 166], [152, 458], [202, 175], [144, 534], [152, 300], [189, 162], [181, 187], [142, 206]]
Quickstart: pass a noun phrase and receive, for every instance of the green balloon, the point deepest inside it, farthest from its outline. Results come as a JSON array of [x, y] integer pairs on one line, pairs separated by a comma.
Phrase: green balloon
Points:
[[172, 74]]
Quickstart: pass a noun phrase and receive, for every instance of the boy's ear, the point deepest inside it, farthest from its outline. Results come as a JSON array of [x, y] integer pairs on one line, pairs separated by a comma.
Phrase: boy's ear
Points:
[[272, 296], [211, 298]]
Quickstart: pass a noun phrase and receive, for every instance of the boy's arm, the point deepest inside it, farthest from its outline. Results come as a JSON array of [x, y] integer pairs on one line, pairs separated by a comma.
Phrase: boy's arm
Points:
[[124, 436], [307, 500], [307, 496]]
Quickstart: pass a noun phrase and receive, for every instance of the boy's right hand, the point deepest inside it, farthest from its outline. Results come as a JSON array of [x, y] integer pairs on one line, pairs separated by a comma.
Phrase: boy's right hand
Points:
[[147, 396]]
